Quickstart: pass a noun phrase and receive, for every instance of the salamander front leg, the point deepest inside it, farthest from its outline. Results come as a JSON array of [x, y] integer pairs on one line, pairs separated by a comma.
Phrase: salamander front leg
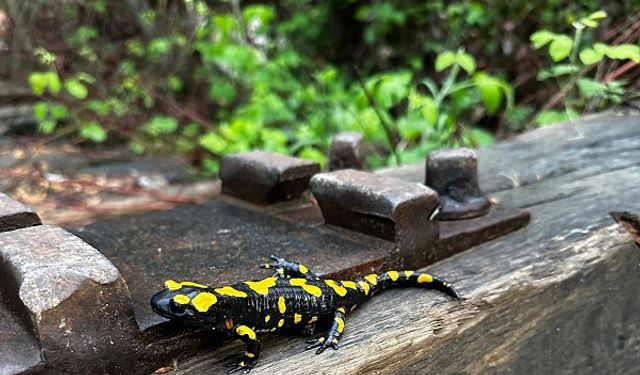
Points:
[[333, 336], [250, 357], [285, 268]]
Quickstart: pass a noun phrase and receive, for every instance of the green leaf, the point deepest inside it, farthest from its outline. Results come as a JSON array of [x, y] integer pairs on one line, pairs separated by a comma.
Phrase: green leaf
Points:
[[258, 16], [466, 62], [430, 111], [392, 88], [477, 137], [490, 92], [38, 82], [159, 46], [161, 125], [222, 92], [211, 166], [623, 52], [93, 131], [214, 143], [85, 77], [425, 106], [541, 38], [587, 22], [431, 86], [53, 82], [590, 56], [410, 129], [44, 57], [560, 48], [593, 19], [137, 148], [174, 83], [101, 108], [600, 14], [590, 88], [312, 153], [40, 110], [557, 71], [600, 48], [47, 126], [76, 89], [58, 111], [553, 116], [274, 140], [445, 60]]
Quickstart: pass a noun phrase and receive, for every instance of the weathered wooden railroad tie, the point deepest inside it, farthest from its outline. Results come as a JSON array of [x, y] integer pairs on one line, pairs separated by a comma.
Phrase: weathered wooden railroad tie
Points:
[[78, 302]]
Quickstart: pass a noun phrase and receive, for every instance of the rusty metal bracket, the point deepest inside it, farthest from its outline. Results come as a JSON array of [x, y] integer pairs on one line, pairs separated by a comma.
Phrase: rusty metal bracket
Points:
[[453, 173], [264, 178]]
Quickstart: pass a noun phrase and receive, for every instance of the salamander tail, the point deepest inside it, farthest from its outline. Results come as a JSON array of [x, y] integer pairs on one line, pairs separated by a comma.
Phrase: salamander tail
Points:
[[391, 279]]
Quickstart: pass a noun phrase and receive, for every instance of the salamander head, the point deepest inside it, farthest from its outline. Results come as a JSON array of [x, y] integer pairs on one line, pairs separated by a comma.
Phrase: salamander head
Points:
[[184, 301]]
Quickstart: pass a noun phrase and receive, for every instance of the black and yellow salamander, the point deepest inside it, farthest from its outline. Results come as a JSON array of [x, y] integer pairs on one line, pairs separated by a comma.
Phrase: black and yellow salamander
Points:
[[293, 298]]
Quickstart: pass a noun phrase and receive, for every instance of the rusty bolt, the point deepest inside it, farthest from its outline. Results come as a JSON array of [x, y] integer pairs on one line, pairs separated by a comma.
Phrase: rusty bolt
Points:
[[453, 173], [263, 177], [347, 151]]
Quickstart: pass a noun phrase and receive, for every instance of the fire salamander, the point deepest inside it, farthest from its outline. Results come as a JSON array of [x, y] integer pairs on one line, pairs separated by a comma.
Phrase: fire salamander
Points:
[[293, 298]]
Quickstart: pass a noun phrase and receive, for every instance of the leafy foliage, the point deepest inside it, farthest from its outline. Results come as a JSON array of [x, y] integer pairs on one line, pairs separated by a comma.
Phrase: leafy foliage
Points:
[[203, 79], [578, 89]]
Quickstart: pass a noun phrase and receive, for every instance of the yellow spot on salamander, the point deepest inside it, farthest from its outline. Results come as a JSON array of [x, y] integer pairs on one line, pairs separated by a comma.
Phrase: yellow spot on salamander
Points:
[[342, 310], [192, 284], [311, 289], [172, 285], [408, 273], [262, 286], [313, 319], [372, 279], [365, 287], [425, 278], [282, 307], [280, 323], [231, 292], [349, 284], [336, 288], [297, 318], [203, 301], [267, 318], [243, 330], [249, 355], [181, 299], [303, 269], [340, 322], [393, 275]]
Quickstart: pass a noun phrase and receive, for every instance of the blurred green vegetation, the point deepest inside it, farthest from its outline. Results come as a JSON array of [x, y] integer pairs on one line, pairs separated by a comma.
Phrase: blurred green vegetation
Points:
[[207, 78]]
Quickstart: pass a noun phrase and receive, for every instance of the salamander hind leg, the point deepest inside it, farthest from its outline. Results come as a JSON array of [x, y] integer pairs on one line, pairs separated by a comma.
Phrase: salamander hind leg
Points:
[[332, 337], [249, 359], [287, 269]]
